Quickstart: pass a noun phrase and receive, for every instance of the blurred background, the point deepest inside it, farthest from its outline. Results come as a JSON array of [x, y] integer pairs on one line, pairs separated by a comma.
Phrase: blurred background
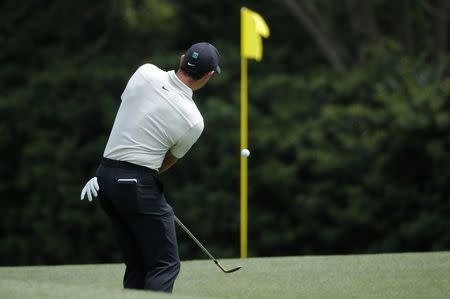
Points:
[[349, 125]]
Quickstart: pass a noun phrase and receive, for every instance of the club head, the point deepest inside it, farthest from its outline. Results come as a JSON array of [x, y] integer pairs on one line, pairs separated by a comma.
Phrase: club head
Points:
[[232, 270], [229, 270]]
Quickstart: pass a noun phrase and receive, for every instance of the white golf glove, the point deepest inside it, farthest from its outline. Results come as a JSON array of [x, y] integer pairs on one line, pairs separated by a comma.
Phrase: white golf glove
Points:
[[90, 189]]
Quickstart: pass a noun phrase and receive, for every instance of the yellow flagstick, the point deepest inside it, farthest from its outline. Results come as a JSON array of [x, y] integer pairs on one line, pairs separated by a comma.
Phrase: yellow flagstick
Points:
[[253, 27], [244, 164]]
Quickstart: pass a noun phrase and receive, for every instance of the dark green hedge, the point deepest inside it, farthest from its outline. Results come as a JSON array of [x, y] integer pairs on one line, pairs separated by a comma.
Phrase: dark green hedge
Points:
[[350, 162]]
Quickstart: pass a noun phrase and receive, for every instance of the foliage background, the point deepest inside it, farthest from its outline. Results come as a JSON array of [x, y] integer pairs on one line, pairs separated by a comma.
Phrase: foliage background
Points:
[[349, 136]]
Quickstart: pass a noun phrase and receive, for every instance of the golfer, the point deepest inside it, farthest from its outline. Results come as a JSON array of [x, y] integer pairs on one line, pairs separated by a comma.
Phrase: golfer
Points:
[[156, 124]]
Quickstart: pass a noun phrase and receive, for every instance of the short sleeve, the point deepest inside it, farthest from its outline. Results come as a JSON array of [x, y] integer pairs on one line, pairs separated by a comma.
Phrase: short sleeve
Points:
[[187, 140]]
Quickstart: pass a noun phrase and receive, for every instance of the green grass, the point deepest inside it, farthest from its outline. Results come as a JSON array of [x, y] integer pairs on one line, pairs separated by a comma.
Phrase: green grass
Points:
[[411, 275]]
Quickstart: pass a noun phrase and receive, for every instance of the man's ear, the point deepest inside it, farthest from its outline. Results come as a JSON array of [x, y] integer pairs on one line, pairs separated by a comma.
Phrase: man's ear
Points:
[[207, 76], [181, 59]]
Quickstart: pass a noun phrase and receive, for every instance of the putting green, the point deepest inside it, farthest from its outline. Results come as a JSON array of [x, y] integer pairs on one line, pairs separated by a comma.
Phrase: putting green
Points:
[[408, 275]]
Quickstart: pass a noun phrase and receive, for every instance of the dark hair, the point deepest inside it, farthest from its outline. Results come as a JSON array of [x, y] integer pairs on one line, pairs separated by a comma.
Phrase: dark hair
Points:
[[192, 73]]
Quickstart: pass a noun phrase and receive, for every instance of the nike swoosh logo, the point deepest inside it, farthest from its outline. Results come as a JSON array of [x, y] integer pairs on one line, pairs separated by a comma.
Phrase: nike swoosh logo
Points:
[[191, 64], [165, 88]]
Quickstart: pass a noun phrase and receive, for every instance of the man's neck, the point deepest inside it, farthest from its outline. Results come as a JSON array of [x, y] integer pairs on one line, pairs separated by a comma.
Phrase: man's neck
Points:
[[191, 83], [185, 79]]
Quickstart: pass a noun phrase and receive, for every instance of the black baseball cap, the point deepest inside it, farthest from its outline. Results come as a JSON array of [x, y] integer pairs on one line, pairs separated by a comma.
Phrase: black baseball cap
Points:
[[200, 59]]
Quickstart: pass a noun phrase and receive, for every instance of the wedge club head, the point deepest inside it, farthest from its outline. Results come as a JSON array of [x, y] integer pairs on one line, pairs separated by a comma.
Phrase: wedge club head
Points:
[[229, 270]]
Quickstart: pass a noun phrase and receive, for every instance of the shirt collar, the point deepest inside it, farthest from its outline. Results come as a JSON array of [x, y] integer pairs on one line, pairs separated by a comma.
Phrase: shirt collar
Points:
[[179, 84]]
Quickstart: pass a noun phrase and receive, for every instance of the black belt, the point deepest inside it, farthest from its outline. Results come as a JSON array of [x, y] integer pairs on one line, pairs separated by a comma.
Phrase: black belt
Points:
[[126, 165]]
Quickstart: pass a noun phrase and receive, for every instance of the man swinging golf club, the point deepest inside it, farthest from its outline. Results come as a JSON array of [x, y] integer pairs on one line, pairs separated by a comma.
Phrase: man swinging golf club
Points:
[[157, 123]]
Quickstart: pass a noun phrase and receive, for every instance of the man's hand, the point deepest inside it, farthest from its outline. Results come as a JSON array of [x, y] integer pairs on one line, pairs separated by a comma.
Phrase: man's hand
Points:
[[90, 189], [168, 161]]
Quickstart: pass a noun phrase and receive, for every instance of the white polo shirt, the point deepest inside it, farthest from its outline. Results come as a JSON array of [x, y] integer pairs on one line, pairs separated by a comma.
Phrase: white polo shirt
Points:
[[157, 114]]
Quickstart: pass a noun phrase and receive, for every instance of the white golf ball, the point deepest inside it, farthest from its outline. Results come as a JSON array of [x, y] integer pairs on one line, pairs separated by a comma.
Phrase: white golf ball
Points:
[[245, 152]]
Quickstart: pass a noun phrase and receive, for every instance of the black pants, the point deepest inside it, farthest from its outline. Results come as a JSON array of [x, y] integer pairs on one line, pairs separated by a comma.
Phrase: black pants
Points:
[[132, 197]]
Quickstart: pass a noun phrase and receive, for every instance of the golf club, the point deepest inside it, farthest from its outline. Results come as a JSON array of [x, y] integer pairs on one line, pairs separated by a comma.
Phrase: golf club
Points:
[[204, 249]]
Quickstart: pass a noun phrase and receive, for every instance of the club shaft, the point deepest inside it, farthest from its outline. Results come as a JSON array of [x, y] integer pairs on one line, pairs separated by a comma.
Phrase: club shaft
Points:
[[194, 238]]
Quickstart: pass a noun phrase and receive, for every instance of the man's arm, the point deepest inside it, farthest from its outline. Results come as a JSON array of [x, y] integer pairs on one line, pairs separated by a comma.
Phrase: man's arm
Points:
[[182, 146], [168, 161]]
